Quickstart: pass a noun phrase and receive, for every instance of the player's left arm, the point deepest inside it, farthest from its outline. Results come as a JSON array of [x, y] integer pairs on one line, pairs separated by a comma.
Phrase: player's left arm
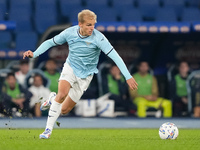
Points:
[[120, 63], [107, 48]]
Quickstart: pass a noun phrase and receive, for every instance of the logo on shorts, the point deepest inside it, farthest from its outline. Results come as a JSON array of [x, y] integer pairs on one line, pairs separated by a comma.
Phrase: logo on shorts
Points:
[[63, 75]]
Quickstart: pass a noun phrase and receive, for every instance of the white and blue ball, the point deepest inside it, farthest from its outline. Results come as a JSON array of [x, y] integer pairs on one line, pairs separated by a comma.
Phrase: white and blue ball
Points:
[[168, 130]]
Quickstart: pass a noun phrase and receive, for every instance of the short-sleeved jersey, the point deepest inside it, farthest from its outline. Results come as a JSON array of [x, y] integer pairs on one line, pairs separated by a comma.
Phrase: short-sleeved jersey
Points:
[[84, 51]]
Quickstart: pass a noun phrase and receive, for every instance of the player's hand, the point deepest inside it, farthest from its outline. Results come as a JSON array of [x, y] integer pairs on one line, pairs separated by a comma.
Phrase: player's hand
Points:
[[28, 54], [132, 83]]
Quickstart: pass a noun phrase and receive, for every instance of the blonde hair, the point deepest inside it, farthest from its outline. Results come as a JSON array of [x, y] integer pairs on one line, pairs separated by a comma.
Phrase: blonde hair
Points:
[[86, 13]]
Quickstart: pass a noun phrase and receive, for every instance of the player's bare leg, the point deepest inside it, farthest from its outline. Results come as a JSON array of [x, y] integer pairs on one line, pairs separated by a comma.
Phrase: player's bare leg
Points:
[[67, 105], [55, 109]]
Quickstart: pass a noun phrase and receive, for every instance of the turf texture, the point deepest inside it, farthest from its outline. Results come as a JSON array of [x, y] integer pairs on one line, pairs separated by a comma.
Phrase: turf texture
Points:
[[97, 139]]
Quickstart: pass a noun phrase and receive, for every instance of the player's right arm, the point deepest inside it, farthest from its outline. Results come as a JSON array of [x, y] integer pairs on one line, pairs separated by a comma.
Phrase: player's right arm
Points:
[[57, 40], [40, 50]]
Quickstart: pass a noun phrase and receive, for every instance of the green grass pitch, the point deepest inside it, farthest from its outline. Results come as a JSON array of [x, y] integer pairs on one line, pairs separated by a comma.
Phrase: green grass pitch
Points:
[[97, 139]]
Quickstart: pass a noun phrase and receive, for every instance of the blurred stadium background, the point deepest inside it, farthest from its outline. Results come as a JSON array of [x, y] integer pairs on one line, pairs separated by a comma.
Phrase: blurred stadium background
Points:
[[162, 32]]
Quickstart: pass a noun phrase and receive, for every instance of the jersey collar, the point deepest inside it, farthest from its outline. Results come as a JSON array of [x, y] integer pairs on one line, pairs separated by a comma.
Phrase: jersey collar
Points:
[[82, 37]]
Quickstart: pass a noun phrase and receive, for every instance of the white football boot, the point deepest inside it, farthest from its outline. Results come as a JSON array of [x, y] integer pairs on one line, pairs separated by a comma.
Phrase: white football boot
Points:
[[46, 134], [46, 105]]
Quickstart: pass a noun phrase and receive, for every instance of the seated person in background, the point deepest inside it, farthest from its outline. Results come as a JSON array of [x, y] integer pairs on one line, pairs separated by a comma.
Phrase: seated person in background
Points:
[[1, 105], [38, 90], [15, 96], [116, 85], [197, 107], [52, 74], [147, 93], [179, 89], [23, 70]]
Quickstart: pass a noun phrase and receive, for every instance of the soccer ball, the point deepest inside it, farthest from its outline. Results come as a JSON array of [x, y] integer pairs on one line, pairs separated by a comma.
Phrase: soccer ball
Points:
[[168, 130]]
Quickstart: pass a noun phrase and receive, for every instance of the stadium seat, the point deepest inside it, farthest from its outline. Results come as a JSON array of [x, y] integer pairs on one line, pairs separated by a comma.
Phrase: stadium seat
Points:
[[103, 71], [3, 9], [73, 16], [171, 73], [173, 3], [97, 5], [66, 6], [110, 13], [148, 8], [131, 15], [22, 23], [5, 40], [107, 15], [17, 10], [26, 40], [4, 72], [102, 82], [119, 2], [13, 65], [42, 65], [31, 73], [191, 14], [193, 3], [21, 4], [44, 18], [45, 5], [102, 3], [166, 14], [177, 5], [123, 7], [193, 88], [142, 3]]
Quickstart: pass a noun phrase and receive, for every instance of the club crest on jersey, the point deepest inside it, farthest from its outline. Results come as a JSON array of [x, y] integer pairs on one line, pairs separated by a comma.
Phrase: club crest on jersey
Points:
[[88, 43]]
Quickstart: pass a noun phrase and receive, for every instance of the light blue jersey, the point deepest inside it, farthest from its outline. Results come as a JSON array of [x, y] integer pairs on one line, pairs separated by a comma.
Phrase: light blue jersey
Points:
[[84, 51]]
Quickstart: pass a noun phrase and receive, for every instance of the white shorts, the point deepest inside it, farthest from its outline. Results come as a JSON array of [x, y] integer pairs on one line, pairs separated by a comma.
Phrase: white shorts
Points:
[[78, 85]]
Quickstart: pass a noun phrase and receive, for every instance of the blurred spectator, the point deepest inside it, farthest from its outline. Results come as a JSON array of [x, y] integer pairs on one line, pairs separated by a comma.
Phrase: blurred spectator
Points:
[[197, 105], [117, 86], [147, 93], [39, 93], [179, 90], [23, 70], [1, 105], [15, 97], [52, 74]]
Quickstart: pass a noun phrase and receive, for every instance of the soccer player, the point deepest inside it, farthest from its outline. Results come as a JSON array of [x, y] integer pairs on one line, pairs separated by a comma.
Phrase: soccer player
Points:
[[85, 44]]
